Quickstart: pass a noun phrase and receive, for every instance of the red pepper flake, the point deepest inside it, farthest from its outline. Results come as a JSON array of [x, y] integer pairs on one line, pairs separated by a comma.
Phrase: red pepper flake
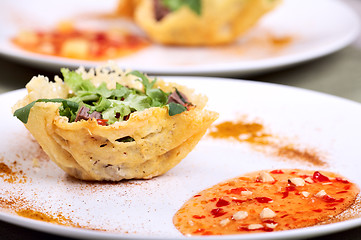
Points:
[[236, 190], [217, 212], [198, 217], [102, 122], [320, 177], [241, 228], [274, 182], [304, 176], [221, 203], [341, 192], [277, 171], [269, 221], [213, 199], [317, 210], [338, 179], [238, 201], [285, 194], [264, 199], [290, 188], [347, 187], [283, 216], [332, 204], [267, 229], [197, 195], [330, 199], [331, 209]]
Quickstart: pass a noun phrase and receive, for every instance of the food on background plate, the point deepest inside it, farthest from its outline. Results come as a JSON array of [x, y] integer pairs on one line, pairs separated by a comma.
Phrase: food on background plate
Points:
[[195, 22], [266, 201], [107, 124], [70, 42]]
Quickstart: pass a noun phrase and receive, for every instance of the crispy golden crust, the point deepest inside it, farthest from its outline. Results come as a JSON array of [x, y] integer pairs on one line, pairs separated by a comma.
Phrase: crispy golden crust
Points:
[[89, 151], [126, 8], [221, 22]]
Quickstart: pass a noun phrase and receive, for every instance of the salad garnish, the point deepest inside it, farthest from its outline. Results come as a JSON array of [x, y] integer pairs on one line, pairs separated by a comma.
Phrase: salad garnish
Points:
[[174, 5], [109, 105]]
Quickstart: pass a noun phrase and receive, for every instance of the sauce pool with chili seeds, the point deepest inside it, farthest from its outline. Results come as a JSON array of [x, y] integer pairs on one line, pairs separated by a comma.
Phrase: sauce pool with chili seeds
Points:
[[266, 201]]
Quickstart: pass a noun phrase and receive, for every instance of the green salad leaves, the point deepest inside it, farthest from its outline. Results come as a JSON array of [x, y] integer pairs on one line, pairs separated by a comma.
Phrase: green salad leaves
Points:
[[67, 109], [113, 104], [174, 5]]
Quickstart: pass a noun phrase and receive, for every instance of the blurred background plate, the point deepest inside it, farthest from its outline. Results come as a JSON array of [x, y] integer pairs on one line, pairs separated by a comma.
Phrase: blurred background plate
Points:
[[297, 31]]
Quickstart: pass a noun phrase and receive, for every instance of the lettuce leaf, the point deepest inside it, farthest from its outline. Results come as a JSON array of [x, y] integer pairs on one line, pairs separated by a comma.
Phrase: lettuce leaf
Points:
[[68, 108], [116, 112], [113, 104], [159, 97], [175, 108], [174, 5], [75, 81]]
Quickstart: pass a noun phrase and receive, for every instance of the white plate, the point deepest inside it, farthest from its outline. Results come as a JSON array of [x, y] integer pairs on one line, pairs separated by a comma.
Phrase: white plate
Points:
[[317, 27], [144, 209]]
